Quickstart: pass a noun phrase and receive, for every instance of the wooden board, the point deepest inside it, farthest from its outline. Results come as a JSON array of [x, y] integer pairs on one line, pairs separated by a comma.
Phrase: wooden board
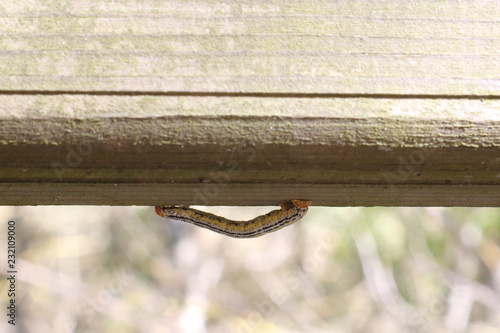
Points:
[[184, 148], [245, 103], [331, 47]]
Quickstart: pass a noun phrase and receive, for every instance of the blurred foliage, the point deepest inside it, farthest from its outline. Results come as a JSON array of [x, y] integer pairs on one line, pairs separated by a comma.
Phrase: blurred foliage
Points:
[[124, 269]]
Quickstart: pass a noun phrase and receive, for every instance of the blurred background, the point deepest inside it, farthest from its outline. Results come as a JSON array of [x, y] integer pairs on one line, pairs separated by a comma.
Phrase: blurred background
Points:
[[125, 269]]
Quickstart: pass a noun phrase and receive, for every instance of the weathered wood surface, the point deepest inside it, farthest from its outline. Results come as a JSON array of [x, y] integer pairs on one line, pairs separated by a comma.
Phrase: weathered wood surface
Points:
[[150, 149], [350, 47], [229, 103]]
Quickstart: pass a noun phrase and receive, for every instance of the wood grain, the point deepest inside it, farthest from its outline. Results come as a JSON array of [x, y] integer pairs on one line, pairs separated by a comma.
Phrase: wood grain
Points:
[[208, 145], [242, 103], [343, 47]]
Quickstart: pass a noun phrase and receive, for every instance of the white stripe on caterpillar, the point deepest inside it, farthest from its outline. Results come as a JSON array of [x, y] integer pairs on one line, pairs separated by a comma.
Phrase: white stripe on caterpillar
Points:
[[261, 225]]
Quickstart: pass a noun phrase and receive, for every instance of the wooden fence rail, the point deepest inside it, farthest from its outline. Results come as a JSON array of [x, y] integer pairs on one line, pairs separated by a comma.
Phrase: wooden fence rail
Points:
[[345, 103]]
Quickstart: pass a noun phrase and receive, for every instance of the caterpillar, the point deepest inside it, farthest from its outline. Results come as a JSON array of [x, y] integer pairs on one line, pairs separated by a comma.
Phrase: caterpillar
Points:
[[259, 226]]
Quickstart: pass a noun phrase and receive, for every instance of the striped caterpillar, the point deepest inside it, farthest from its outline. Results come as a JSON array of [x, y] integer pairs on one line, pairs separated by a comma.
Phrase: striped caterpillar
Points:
[[261, 225]]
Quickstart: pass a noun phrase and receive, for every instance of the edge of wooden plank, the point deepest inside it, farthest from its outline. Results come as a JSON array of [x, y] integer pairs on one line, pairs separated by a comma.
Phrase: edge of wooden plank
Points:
[[213, 194], [81, 143]]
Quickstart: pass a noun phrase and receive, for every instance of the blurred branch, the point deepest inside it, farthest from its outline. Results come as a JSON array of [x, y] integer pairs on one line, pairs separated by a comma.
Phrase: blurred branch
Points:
[[463, 291], [380, 282]]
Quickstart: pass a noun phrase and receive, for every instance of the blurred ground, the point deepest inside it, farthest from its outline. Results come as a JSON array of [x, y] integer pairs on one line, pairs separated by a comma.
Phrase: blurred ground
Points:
[[124, 269]]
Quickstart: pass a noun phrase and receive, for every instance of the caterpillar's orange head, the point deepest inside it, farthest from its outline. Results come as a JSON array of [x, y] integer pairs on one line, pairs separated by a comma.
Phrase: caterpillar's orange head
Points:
[[302, 204], [159, 211]]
